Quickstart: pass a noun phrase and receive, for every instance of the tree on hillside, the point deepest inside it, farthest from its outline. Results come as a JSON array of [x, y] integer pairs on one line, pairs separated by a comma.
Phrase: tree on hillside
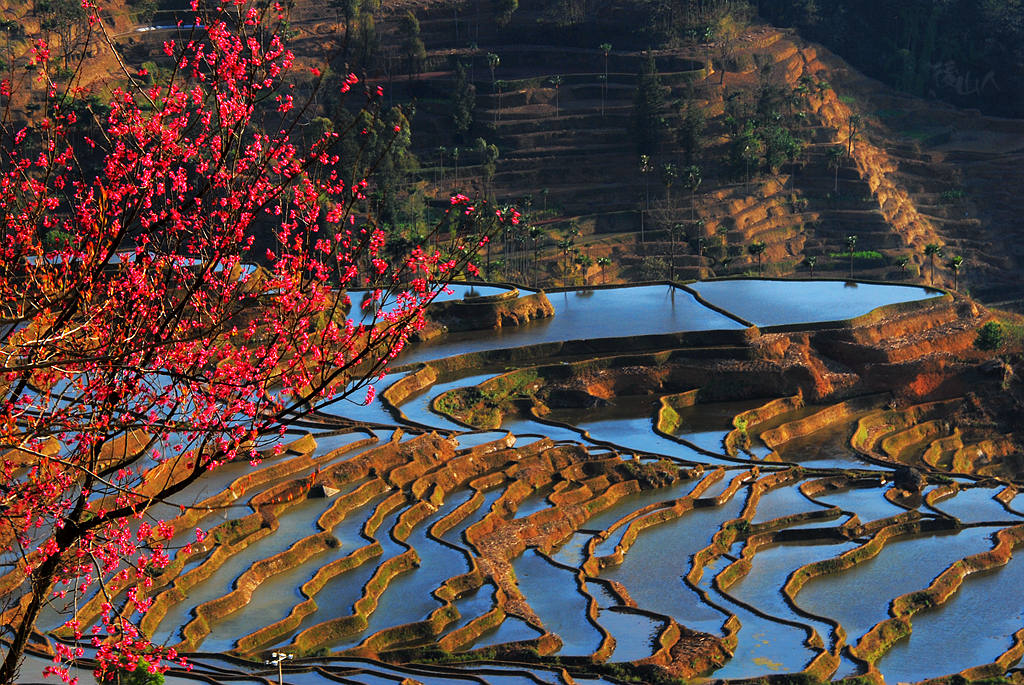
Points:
[[500, 85], [646, 167], [585, 262], [692, 179], [691, 131], [146, 348], [811, 261], [565, 245], [536, 235], [669, 175], [745, 152], [380, 139], [931, 251], [66, 19], [489, 154], [556, 81], [727, 31], [954, 265], [835, 161], [756, 249], [648, 121], [349, 9], [463, 102], [415, 51], [606, 49], [492, 63], [853, 127], [604, 262], [369, 41], [675, 232], [851, 247]]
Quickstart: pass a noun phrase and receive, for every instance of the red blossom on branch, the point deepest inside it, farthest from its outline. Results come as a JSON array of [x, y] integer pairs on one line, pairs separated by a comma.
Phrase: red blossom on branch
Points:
[[172, 295]]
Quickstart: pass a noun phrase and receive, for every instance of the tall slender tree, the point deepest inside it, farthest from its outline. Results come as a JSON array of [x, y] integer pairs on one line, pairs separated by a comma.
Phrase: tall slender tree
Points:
[[851, 246], [646, 167], [835, 161], [606, 49], [692, 178], [932, 250], [556, 81], [954, 265], [648, 119], [757, 249]]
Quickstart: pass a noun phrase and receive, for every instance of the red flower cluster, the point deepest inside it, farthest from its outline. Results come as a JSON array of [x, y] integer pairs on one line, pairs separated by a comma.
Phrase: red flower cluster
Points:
[[141, 342]]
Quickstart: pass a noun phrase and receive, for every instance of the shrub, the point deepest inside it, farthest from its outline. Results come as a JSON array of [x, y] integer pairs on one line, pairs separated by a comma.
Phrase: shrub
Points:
[[991, 336]]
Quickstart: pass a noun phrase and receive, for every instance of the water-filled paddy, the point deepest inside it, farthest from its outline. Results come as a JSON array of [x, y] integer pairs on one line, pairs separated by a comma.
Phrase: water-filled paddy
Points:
[[784, 501], [629, 424], [549, 589], [775, 303], [653, 569], [589, 314], [975, 505], [859, 597], [969, 629]]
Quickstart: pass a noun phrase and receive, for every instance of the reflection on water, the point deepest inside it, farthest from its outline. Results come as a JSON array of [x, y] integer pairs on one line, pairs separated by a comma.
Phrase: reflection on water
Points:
[[774, 303], [598, 314]]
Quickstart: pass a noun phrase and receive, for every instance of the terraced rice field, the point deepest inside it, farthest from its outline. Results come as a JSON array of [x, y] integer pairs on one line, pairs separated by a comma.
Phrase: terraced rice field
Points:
[[558, 547]]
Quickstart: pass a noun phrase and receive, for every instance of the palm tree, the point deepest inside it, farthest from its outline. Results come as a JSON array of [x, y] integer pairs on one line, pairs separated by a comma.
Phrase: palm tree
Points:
[[673, 232], [851, 246], [603, 262], [932, 250], [645, 170], [693, 179], [669, 174], [585, 261], [606, 48], [455, 160], [810, 261], [954, 264], [556, 81], [500, 85], [902, 264], [835, 160], [440, 153], [756, 249], [565, 244], [492, 63]]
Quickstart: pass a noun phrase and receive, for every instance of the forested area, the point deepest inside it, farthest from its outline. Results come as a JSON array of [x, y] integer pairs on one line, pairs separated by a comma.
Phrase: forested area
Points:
[[967, 52]]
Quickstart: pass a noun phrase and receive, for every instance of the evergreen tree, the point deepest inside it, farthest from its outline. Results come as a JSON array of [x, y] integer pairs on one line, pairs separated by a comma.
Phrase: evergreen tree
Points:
[[691, 131], [463, 102], [648, 121], [415, 50]]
